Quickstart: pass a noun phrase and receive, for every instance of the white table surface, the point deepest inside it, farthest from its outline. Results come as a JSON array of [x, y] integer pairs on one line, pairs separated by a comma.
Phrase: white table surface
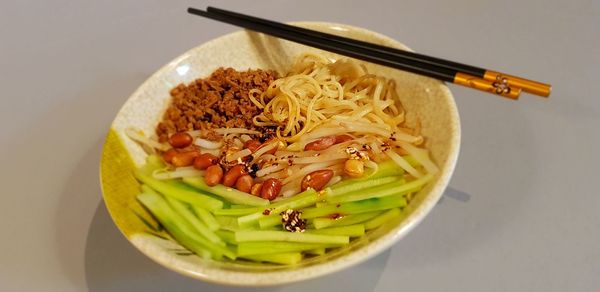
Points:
[[521, 213]]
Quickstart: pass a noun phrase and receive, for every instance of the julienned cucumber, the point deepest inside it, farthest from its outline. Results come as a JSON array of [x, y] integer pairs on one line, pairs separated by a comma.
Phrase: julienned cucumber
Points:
[[261, 235], [320, 223], [316, 251], [227, 236], [344, 209], [383, 218], [168, 189], [269, 221], [364, 206], [304, 199], [363, 184], [278, 258], [384, 169], [238, 211], [183, 210], [187, 214], [270, 247], [393, 188], [230, 194], [350, 230], [181, 229], [206, 217]]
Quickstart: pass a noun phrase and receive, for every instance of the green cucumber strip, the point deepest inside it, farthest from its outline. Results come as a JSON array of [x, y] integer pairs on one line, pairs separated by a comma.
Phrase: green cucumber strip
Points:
[[280, 258], [394, 188], [193, 198], [350, 230], [316, 251], [271, 247], [238, 211], [227, 236], [230, 223], [320, 204], [320, 223], [381, 219], [304, 199], [180, 229], [206, 217], [300, 196], [386, 168], [227, 222], [200, 227], [364, 206], [230, 194], [269, 221], [240, 207], [363, 185], [262, 235]]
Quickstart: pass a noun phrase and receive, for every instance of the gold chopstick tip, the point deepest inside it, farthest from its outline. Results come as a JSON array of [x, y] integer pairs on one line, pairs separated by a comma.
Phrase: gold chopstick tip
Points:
[[494, 87], [529, 86]]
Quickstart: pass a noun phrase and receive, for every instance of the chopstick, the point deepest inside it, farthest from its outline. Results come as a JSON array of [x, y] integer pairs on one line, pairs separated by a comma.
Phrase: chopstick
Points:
[[365, 51], [371, 56], [526, 85]]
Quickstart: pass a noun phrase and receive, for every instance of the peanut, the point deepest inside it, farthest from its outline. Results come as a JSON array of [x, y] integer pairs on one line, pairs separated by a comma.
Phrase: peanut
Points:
[[320, 144], [168, 155], [253, 145], [270, 189], [354, 168], [233, 174], [256, 188], [184, 158], [316, 180], [244, 183], [342, 138], [204, 161], [180, 140], [213, 176]]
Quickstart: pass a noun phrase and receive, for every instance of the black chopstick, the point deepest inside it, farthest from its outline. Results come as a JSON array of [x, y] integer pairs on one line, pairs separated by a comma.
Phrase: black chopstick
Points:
[[475, 71], [403, 56], [370, 55]]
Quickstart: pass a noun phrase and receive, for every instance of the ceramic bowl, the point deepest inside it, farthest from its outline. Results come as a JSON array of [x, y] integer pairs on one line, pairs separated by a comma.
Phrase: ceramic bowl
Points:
[[427, 101]]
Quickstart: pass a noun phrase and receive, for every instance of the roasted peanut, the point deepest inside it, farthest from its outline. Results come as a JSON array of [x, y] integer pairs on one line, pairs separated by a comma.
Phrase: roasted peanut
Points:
[[204, 161], [342, 138], [253, 145], [213, 175], [180, 140], [255, 190], [316, 180], [270, 189], [320, 144], [168, 155], [354, 168], [244, 183], [184, 158], [233, 174]]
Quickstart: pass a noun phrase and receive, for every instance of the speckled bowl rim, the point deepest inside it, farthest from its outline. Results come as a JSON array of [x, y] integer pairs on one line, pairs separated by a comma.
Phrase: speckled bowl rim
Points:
[[373, 248]]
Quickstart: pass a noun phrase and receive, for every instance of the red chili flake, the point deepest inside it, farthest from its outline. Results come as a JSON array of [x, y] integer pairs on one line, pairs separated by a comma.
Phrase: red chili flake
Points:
[[266, 212], [335, 216]]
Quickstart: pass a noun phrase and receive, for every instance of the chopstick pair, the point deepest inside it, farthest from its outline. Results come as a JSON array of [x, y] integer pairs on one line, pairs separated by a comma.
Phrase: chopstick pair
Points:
[[457, 73]]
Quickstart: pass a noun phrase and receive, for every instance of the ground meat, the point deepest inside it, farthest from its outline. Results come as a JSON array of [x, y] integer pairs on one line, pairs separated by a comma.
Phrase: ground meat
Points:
[[219, 101]]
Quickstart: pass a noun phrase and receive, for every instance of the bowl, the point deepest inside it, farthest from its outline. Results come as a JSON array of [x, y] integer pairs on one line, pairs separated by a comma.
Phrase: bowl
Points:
[[427, 101]]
